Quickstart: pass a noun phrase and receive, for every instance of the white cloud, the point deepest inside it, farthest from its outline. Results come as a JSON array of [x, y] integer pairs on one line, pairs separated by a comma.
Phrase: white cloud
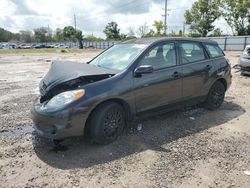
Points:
[[92, 15]]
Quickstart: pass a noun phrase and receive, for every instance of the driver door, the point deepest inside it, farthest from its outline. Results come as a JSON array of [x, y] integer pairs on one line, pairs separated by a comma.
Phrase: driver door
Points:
[[164, 85]]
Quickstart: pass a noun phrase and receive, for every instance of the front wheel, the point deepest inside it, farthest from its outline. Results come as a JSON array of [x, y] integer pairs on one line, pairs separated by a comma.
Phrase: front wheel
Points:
[[107, 123], [215, 96]]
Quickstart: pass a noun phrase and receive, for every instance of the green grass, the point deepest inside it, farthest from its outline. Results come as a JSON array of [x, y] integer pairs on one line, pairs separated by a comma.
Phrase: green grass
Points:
[[45, 50]]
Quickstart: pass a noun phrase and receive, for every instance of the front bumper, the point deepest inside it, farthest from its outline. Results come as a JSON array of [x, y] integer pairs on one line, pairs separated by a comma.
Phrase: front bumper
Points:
[[60, 124], [245, 65]]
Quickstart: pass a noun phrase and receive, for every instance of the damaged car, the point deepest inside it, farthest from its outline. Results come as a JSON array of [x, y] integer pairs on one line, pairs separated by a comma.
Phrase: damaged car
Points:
[[130, 80], [244, 61]]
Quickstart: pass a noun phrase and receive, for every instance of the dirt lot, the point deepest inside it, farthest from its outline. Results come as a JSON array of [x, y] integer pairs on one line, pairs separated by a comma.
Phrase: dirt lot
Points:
[[192, 147]]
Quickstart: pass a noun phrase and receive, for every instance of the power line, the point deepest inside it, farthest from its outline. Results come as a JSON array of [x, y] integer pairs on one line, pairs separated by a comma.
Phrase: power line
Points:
[[115, 9], [118, 7], [182, 8], [127, 7], [149, 13], [126, 4], [135, 4]]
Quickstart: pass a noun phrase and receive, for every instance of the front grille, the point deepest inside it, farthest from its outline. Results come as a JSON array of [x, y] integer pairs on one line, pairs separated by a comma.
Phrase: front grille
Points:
[[46, 97], [43, 88]]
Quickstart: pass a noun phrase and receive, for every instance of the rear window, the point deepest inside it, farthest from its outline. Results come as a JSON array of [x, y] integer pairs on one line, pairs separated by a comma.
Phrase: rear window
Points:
[[214, 51]]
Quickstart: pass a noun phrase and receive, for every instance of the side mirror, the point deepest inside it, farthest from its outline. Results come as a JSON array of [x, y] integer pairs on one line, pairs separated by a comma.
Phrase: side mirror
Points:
[[143, 69]]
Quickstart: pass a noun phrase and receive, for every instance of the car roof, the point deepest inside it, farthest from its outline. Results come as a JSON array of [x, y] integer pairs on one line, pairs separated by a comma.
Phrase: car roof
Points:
[[152, 40]]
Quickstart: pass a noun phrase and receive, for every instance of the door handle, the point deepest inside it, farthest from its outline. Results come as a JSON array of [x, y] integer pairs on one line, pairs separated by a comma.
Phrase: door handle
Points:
[[208, 67], [176, 75]]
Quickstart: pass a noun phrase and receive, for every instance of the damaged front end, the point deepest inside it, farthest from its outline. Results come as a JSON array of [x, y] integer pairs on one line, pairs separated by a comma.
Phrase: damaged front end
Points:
[[244, 61], [64, 76], [68, 85], [55, 114]]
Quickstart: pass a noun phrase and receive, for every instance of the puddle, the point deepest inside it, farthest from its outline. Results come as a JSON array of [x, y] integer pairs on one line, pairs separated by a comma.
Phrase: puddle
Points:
[[16, 132]]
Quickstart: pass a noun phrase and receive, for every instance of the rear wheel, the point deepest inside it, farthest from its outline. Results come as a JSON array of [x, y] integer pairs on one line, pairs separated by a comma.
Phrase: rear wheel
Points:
[[107, 123], [215, 96]]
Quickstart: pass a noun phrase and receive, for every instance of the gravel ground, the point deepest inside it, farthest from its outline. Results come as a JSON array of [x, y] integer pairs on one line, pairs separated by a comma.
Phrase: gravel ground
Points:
[[190, 147]]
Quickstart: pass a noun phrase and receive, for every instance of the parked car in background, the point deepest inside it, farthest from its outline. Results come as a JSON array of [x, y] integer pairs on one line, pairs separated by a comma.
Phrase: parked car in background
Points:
[[7, 46], [91, 47], [27, 46], [62, 46], [132, 79], [23, 46], [19, 46], [49, 46], [40, 46], [244, 61], [33, 46]]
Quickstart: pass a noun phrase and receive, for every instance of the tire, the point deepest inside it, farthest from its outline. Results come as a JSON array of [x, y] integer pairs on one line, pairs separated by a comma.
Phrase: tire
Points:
[[215, 96], [107, 123]]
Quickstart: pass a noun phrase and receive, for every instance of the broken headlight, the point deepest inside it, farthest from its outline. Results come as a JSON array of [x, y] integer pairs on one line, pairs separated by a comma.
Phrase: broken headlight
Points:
[[64, 98]]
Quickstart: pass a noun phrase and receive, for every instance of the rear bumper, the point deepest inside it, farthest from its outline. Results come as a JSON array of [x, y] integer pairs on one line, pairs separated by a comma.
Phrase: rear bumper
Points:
[[59, 124]]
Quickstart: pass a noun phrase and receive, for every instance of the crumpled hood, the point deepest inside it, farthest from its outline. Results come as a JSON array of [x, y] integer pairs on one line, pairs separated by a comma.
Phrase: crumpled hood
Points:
[[62, 71]]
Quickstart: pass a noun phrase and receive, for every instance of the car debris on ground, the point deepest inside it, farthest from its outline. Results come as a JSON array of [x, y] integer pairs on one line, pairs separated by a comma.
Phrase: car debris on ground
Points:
[[244, 62]]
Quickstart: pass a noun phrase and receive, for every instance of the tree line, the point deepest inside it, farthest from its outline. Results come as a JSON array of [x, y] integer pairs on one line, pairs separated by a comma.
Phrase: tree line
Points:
[[69, 33], [43, 34], [203, 14], [201, 18]]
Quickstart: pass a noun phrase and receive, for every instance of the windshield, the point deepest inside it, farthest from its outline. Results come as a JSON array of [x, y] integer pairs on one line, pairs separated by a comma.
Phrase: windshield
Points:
[[119, 56]]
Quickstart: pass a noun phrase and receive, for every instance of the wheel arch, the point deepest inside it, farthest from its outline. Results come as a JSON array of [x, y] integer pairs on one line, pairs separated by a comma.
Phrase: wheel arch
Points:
[[126, 107], [223, 81]]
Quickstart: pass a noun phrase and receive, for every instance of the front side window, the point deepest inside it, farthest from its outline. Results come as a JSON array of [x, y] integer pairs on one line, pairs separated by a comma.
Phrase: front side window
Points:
[[118, 57], [191, 52], [161, 56], [213, 50]]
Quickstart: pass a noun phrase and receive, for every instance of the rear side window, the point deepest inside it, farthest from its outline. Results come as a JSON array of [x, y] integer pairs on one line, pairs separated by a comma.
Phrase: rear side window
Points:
[[191, 52], [214, 51]]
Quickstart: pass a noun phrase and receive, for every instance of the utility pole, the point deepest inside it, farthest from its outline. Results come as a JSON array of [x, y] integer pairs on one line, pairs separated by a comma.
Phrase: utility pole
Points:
[[165, 16], [75, 26], [75, 21], [184, 28], [48, 34]]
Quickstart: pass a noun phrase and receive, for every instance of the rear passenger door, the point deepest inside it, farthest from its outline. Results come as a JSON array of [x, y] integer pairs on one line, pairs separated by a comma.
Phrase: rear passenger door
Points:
[[218, 56], [196, 69]]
